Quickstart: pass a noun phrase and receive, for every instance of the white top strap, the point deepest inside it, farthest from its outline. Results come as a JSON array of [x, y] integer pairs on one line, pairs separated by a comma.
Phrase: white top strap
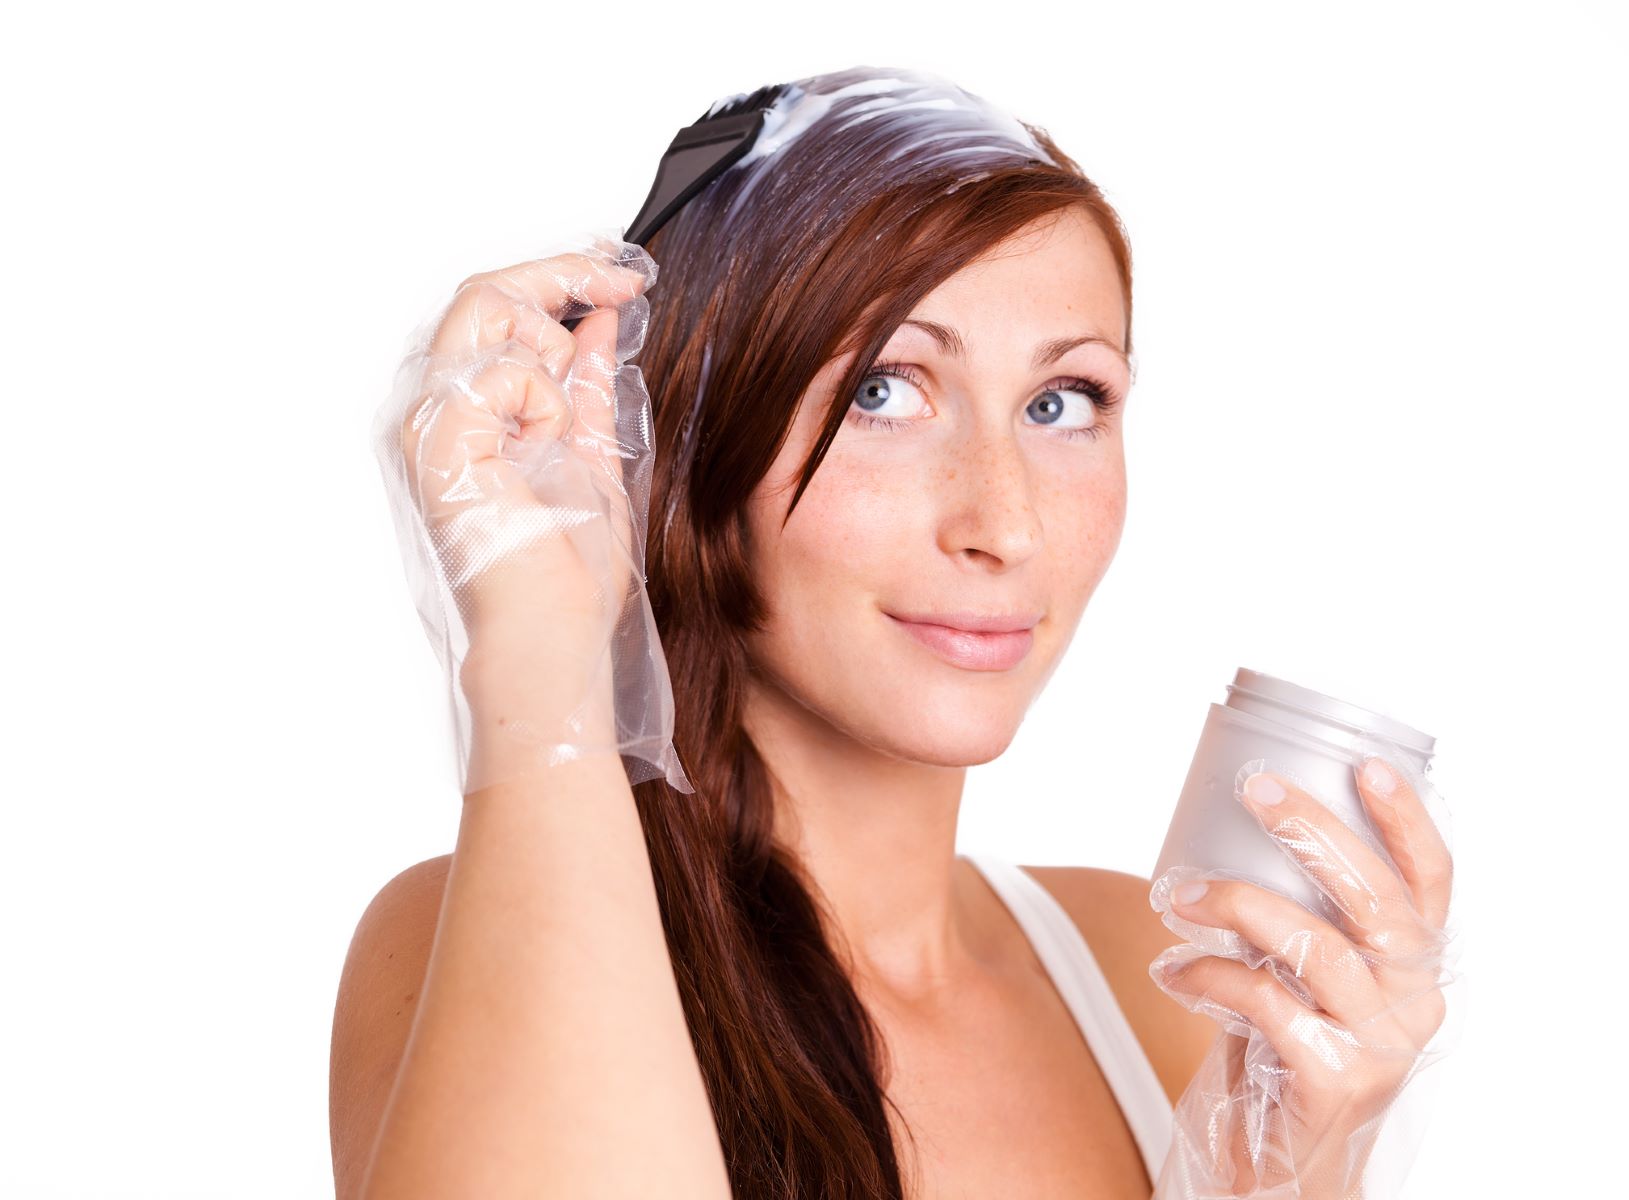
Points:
[[1086, 990]]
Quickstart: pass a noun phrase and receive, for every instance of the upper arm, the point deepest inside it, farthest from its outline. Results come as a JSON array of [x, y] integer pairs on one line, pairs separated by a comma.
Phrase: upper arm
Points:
[[373, 1014], [1125, 934]]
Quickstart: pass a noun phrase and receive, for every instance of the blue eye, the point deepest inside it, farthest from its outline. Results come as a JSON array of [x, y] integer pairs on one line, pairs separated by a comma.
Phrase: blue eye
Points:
[[1049, 405], [878, 389]]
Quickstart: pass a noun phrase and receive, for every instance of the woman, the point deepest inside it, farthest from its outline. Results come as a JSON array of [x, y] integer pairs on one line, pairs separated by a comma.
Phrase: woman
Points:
[[889, 364]]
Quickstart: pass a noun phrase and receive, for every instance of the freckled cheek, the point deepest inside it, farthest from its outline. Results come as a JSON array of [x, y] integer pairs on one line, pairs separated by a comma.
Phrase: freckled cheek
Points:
[[1099, 489], [1083, 537], [857, 523], [1100, 519]]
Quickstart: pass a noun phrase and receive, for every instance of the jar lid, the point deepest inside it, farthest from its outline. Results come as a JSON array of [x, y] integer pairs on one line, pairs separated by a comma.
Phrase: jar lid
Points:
[[1255, 690]]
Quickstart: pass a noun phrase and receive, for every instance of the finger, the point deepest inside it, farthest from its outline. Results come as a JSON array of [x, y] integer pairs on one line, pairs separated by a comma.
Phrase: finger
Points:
[[1363, 886], [1311, 1043], [1334, 972], [455, 439], [521, 301], [1412, 838], [484, 315], [569, 285], [593, 390]]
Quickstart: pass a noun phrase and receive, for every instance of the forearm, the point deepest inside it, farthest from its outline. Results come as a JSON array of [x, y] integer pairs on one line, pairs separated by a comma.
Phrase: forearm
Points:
[[549, 1055]]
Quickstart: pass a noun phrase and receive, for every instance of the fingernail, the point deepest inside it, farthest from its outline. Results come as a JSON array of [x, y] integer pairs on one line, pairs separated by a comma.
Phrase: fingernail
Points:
[[1188, 893], [1379, 777], [1263, 789]]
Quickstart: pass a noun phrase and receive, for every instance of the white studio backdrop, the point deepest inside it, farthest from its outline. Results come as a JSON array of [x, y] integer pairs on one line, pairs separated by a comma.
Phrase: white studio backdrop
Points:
[[1374, 447]]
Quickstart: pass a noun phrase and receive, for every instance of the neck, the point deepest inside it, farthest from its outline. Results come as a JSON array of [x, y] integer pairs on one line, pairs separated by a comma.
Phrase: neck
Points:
[[877, 837]]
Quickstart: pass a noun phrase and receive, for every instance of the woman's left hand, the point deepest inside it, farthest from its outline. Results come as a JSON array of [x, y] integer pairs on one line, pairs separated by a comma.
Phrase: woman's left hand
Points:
[[1347, 1008]]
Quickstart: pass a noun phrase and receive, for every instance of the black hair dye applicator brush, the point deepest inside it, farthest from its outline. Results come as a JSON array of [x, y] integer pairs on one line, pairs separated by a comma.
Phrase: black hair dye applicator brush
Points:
[[699, 154]]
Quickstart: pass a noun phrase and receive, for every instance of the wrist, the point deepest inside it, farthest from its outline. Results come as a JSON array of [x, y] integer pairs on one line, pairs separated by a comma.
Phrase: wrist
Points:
[[519, 704], [497, 767]]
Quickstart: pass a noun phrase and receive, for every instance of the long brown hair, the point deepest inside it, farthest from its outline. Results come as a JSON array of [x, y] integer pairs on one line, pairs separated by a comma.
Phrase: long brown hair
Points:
[[765, 277]]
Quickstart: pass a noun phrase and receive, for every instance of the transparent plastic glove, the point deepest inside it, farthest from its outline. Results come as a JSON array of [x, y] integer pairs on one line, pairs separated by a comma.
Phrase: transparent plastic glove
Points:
[[516, 457], [1326, 1018]]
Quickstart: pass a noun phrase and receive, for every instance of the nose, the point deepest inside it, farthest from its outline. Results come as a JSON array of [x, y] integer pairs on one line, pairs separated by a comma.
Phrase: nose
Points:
[[989, 498]]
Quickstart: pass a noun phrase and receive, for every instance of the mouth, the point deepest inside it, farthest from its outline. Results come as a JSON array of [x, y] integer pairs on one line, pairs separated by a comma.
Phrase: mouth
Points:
[[987, 649]]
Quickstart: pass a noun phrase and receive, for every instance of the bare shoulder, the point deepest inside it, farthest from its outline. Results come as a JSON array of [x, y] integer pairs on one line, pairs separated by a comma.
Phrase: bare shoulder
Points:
[[373, 1013], [1111, 910]]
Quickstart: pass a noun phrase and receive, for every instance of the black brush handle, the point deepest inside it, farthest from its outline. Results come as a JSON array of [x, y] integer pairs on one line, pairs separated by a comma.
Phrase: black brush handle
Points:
[[697, 155]]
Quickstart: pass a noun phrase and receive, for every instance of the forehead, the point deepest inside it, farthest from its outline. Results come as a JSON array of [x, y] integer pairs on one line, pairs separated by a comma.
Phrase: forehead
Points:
[[1058, 268]]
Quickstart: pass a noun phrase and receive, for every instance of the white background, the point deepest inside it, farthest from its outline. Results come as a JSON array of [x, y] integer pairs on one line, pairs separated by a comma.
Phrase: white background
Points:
[[1376, 446]]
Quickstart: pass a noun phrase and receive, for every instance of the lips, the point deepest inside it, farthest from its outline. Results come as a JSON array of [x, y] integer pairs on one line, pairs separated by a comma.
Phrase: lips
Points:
[[970, 649], [974, 622]]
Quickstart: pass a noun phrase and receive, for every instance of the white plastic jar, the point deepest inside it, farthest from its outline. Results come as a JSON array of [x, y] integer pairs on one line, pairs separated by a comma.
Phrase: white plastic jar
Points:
[[1314, 740]]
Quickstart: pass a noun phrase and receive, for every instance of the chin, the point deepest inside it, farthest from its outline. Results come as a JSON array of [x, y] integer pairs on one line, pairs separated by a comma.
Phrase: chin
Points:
[[941, 715], [948, 734]]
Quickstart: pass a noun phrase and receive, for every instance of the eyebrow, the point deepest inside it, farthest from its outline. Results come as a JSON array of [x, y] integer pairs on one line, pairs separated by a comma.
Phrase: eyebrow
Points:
[[950, 341]]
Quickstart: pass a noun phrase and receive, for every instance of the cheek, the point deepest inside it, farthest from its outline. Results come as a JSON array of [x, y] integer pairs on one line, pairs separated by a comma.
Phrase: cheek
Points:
[[851, 530], [854, 543], [1099, 517], [1083, 536]]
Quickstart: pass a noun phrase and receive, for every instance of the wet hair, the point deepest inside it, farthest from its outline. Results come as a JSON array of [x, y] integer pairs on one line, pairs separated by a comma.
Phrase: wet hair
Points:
[[866, 189]]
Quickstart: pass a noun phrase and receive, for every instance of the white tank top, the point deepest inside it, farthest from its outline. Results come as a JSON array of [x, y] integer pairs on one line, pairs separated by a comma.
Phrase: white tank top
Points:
[[1084, 988]]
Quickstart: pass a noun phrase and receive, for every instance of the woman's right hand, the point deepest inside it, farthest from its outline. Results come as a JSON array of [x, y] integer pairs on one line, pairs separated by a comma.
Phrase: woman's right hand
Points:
[[512, 434]]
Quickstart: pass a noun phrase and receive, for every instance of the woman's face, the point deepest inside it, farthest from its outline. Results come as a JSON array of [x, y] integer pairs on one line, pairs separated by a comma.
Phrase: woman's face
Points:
[[999, 490]]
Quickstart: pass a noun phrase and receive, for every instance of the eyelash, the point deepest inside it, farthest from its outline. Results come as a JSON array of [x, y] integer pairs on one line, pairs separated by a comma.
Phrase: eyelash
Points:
[[1103, 399]]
